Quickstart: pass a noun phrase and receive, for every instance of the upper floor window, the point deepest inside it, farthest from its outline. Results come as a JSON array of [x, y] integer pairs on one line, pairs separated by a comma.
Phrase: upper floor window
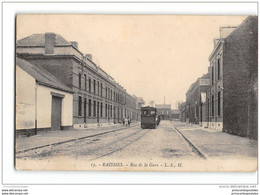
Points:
[[212, 75], [218, 65], [89, 84], [98, 87], [85, 80], [79, 80], [94, 85], [101, 86]]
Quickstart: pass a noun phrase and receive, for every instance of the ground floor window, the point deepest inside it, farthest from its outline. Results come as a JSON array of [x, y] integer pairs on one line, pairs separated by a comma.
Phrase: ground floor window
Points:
[[212, 106], [106, 111], [80, 106], [89, 107], [101, 109], [94, 108], [219, 109]]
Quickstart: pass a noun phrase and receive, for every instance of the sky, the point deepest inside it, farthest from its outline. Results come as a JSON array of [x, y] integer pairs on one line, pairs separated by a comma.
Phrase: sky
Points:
[[151, 56]]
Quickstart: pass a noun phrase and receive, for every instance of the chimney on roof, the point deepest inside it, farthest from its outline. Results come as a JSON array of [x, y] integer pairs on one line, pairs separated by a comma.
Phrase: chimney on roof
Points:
[[226, 30], [89, 56], [50, 41], [75, 44]]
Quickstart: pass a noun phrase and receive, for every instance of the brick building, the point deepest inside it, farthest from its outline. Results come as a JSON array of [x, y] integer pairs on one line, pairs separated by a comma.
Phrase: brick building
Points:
[[175, 114], [232, 97], [97, 97], [183, 112], [164, 110], [195, 106]]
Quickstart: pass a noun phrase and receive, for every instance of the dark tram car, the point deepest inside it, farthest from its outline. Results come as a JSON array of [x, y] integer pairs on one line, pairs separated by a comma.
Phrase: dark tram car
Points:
[[149, 117]]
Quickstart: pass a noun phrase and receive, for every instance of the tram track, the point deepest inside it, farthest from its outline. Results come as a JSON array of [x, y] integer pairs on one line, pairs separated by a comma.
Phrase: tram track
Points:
[[192, 146], [124, 146], [71, 140]]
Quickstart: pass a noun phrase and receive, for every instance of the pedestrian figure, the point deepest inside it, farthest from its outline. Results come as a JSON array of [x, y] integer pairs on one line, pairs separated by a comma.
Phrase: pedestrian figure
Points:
[[126, 122], [129, 122], [123, 122]]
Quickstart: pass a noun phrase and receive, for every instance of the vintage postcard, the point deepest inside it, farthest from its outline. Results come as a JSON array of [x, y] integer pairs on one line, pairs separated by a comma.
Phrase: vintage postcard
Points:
[[136, 93]]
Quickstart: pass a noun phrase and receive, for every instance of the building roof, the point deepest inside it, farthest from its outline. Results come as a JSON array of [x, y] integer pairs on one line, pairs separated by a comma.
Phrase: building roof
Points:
[[39, 40], [163, 106], [42, 76], [197, 82]]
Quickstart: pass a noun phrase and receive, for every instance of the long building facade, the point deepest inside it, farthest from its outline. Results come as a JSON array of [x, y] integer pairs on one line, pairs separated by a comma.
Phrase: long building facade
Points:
[[195, 105], [97, 97]]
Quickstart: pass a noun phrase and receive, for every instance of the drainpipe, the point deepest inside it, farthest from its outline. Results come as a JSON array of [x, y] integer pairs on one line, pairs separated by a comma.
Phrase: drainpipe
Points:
[[35, 109]]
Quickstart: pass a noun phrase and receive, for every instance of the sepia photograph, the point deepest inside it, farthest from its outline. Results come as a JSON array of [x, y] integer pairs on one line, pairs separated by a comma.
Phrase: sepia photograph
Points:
[[169, 93]]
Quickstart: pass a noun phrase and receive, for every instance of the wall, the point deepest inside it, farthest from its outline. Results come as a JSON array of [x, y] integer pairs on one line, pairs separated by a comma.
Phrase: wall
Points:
[[240, 59], [25, 100], [44, 103], [57, 66]]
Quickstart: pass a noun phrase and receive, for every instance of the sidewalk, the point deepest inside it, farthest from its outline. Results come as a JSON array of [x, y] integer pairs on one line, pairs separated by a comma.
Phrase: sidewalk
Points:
[[44, 138], [214, 143]]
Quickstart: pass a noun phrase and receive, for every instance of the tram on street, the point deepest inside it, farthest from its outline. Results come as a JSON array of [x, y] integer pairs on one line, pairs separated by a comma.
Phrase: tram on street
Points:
[[149, 117]]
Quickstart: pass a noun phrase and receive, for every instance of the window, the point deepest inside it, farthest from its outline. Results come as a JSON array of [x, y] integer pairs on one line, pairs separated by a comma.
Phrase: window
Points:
[[219, 69], [106, 111], [219, 109], [114, 96], [85, 79], [111, 109], [212, 106], [98, 87], [79, 80], [111, 93], [89, 107], [212, 76], [80, 106], [106, 92], [208, 108], [101, 109], [94, 108], [94, 85], [101, 86], [89, 84], [85, 109]]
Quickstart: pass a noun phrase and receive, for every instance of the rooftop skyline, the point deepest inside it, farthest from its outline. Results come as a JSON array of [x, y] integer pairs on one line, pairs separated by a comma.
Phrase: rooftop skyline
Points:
[[151, 56]]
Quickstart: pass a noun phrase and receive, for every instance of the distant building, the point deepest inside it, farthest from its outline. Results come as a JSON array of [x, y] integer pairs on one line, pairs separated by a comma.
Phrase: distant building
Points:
[[232, 97], [195, 108], [164, 110], [97, 98], [175, 114], [183, 112], [42, 101], [140, 104]]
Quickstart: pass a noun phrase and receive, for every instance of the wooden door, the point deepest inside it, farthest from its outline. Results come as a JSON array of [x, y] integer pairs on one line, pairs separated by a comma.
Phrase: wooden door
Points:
[[56, 113]]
